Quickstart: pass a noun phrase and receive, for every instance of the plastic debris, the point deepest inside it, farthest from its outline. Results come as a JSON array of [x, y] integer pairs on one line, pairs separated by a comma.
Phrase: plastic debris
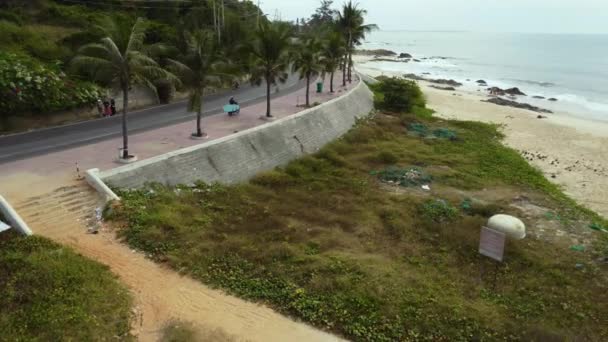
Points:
[[598, 227], [466, 204], [579, 266], [407, 177], [444, 133], [426, 187], [577, 248]]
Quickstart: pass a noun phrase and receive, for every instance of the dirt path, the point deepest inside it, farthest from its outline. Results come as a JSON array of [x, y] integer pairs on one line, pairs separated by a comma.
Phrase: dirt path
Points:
[[161, 295]]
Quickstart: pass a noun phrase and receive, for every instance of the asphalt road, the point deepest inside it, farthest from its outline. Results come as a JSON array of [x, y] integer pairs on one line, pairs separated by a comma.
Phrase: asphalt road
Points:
[[24, 145]]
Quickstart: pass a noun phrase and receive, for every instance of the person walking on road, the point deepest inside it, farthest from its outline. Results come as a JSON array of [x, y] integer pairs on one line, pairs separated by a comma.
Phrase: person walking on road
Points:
[[112, 107]]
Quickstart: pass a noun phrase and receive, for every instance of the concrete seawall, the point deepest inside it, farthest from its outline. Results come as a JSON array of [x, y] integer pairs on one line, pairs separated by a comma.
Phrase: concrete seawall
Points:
[[240, 156]]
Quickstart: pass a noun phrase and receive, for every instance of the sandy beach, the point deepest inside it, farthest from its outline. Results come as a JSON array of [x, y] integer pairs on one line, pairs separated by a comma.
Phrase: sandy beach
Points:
[[571, 151]]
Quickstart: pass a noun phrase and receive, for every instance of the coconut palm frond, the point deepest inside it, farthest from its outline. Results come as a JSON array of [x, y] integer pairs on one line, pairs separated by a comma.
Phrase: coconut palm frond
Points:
[[138, 33]]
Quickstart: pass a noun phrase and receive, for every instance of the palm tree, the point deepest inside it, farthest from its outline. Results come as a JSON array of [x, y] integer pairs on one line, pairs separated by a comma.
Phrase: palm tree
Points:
[[333, 53], [269, 56], [202, 65], [351, 22], [120, 60], [307, 61]]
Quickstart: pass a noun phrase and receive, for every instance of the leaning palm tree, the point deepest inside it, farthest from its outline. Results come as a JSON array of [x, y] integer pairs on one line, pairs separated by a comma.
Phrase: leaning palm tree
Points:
[[307, 61], [333, 53], [201, 66], [269, 56], [120, 60], [352, 24]]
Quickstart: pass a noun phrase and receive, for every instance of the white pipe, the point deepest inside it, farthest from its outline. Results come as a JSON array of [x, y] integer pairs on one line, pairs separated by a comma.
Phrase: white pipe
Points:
[[13, 218], [92, 177]]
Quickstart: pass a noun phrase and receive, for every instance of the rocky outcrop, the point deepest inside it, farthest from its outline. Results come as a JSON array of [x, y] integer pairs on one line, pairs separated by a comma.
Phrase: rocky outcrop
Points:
[[404, 55], [451, 83], [377, 52], [504, 102], [514, 91], [503, 92], [443, 88]]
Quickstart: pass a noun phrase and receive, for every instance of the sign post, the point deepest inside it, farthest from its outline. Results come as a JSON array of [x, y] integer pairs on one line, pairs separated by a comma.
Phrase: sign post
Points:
[[492, 244]]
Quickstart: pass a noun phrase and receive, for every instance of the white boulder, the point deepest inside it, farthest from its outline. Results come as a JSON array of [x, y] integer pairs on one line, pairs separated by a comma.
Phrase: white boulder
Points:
[[511, 226]]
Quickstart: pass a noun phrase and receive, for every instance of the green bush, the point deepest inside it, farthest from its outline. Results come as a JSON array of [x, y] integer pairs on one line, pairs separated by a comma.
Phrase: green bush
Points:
[[398, 95], [27, 85], [11, 17]]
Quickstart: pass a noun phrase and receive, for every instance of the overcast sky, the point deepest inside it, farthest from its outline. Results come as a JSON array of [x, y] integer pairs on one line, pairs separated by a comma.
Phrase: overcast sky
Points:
[[547, 16]]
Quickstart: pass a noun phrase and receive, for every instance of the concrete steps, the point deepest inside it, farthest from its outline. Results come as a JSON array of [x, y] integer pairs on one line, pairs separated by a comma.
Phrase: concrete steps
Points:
[[63, 213]]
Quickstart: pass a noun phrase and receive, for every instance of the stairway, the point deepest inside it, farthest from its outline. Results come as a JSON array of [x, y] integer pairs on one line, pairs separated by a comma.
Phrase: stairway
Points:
[[62, 214]]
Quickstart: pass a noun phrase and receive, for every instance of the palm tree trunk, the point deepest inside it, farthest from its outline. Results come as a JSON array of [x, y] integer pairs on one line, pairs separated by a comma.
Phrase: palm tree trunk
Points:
[[307, 90], [331, 82], [350, 67], [344, 72], [125, 134], [199, 112], [268, 115], [350, 56]]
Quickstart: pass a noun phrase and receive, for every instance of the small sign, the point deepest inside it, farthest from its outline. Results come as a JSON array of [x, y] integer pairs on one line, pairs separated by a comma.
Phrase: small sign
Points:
[[492, 243], [4, 226]]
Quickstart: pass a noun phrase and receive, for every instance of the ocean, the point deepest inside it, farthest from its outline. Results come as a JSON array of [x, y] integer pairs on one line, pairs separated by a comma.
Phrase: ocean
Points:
[[573, 68]]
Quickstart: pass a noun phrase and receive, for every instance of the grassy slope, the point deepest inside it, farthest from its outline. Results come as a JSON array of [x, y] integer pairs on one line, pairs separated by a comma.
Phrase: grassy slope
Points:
[[323, 240], [50, 293]]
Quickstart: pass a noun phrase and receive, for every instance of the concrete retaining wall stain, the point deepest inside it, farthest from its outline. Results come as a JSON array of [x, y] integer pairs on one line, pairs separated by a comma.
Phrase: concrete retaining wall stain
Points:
[[238, 157]]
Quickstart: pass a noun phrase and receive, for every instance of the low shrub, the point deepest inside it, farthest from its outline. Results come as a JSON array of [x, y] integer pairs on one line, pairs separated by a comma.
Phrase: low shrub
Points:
[[398, 95]]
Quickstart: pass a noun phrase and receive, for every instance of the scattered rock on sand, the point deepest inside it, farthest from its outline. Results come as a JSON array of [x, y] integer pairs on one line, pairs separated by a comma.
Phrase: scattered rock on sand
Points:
[[541, 117], [377, 52], [451, 83], [443, 88], [504, 102], [404, 55]]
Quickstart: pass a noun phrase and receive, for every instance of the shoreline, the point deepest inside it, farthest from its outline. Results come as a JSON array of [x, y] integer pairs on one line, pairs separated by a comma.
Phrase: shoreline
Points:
[[571, 151]]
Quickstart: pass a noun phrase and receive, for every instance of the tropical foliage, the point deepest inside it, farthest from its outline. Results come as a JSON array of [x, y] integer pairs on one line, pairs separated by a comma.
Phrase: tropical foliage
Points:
[[307, 61], [27, 85], [269, 57], [351, 23], [202, 66], [120, 60]]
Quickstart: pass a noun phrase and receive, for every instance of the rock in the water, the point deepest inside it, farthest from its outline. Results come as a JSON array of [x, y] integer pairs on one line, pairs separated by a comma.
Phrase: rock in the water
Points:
[[482, 82], [514, 91], [504, 102], [405, 55], [553, 99], [377, 52], [538, 97], [416, 60]]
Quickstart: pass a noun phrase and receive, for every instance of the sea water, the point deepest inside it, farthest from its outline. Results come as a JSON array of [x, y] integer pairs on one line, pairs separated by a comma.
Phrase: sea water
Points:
[[573, 68]]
